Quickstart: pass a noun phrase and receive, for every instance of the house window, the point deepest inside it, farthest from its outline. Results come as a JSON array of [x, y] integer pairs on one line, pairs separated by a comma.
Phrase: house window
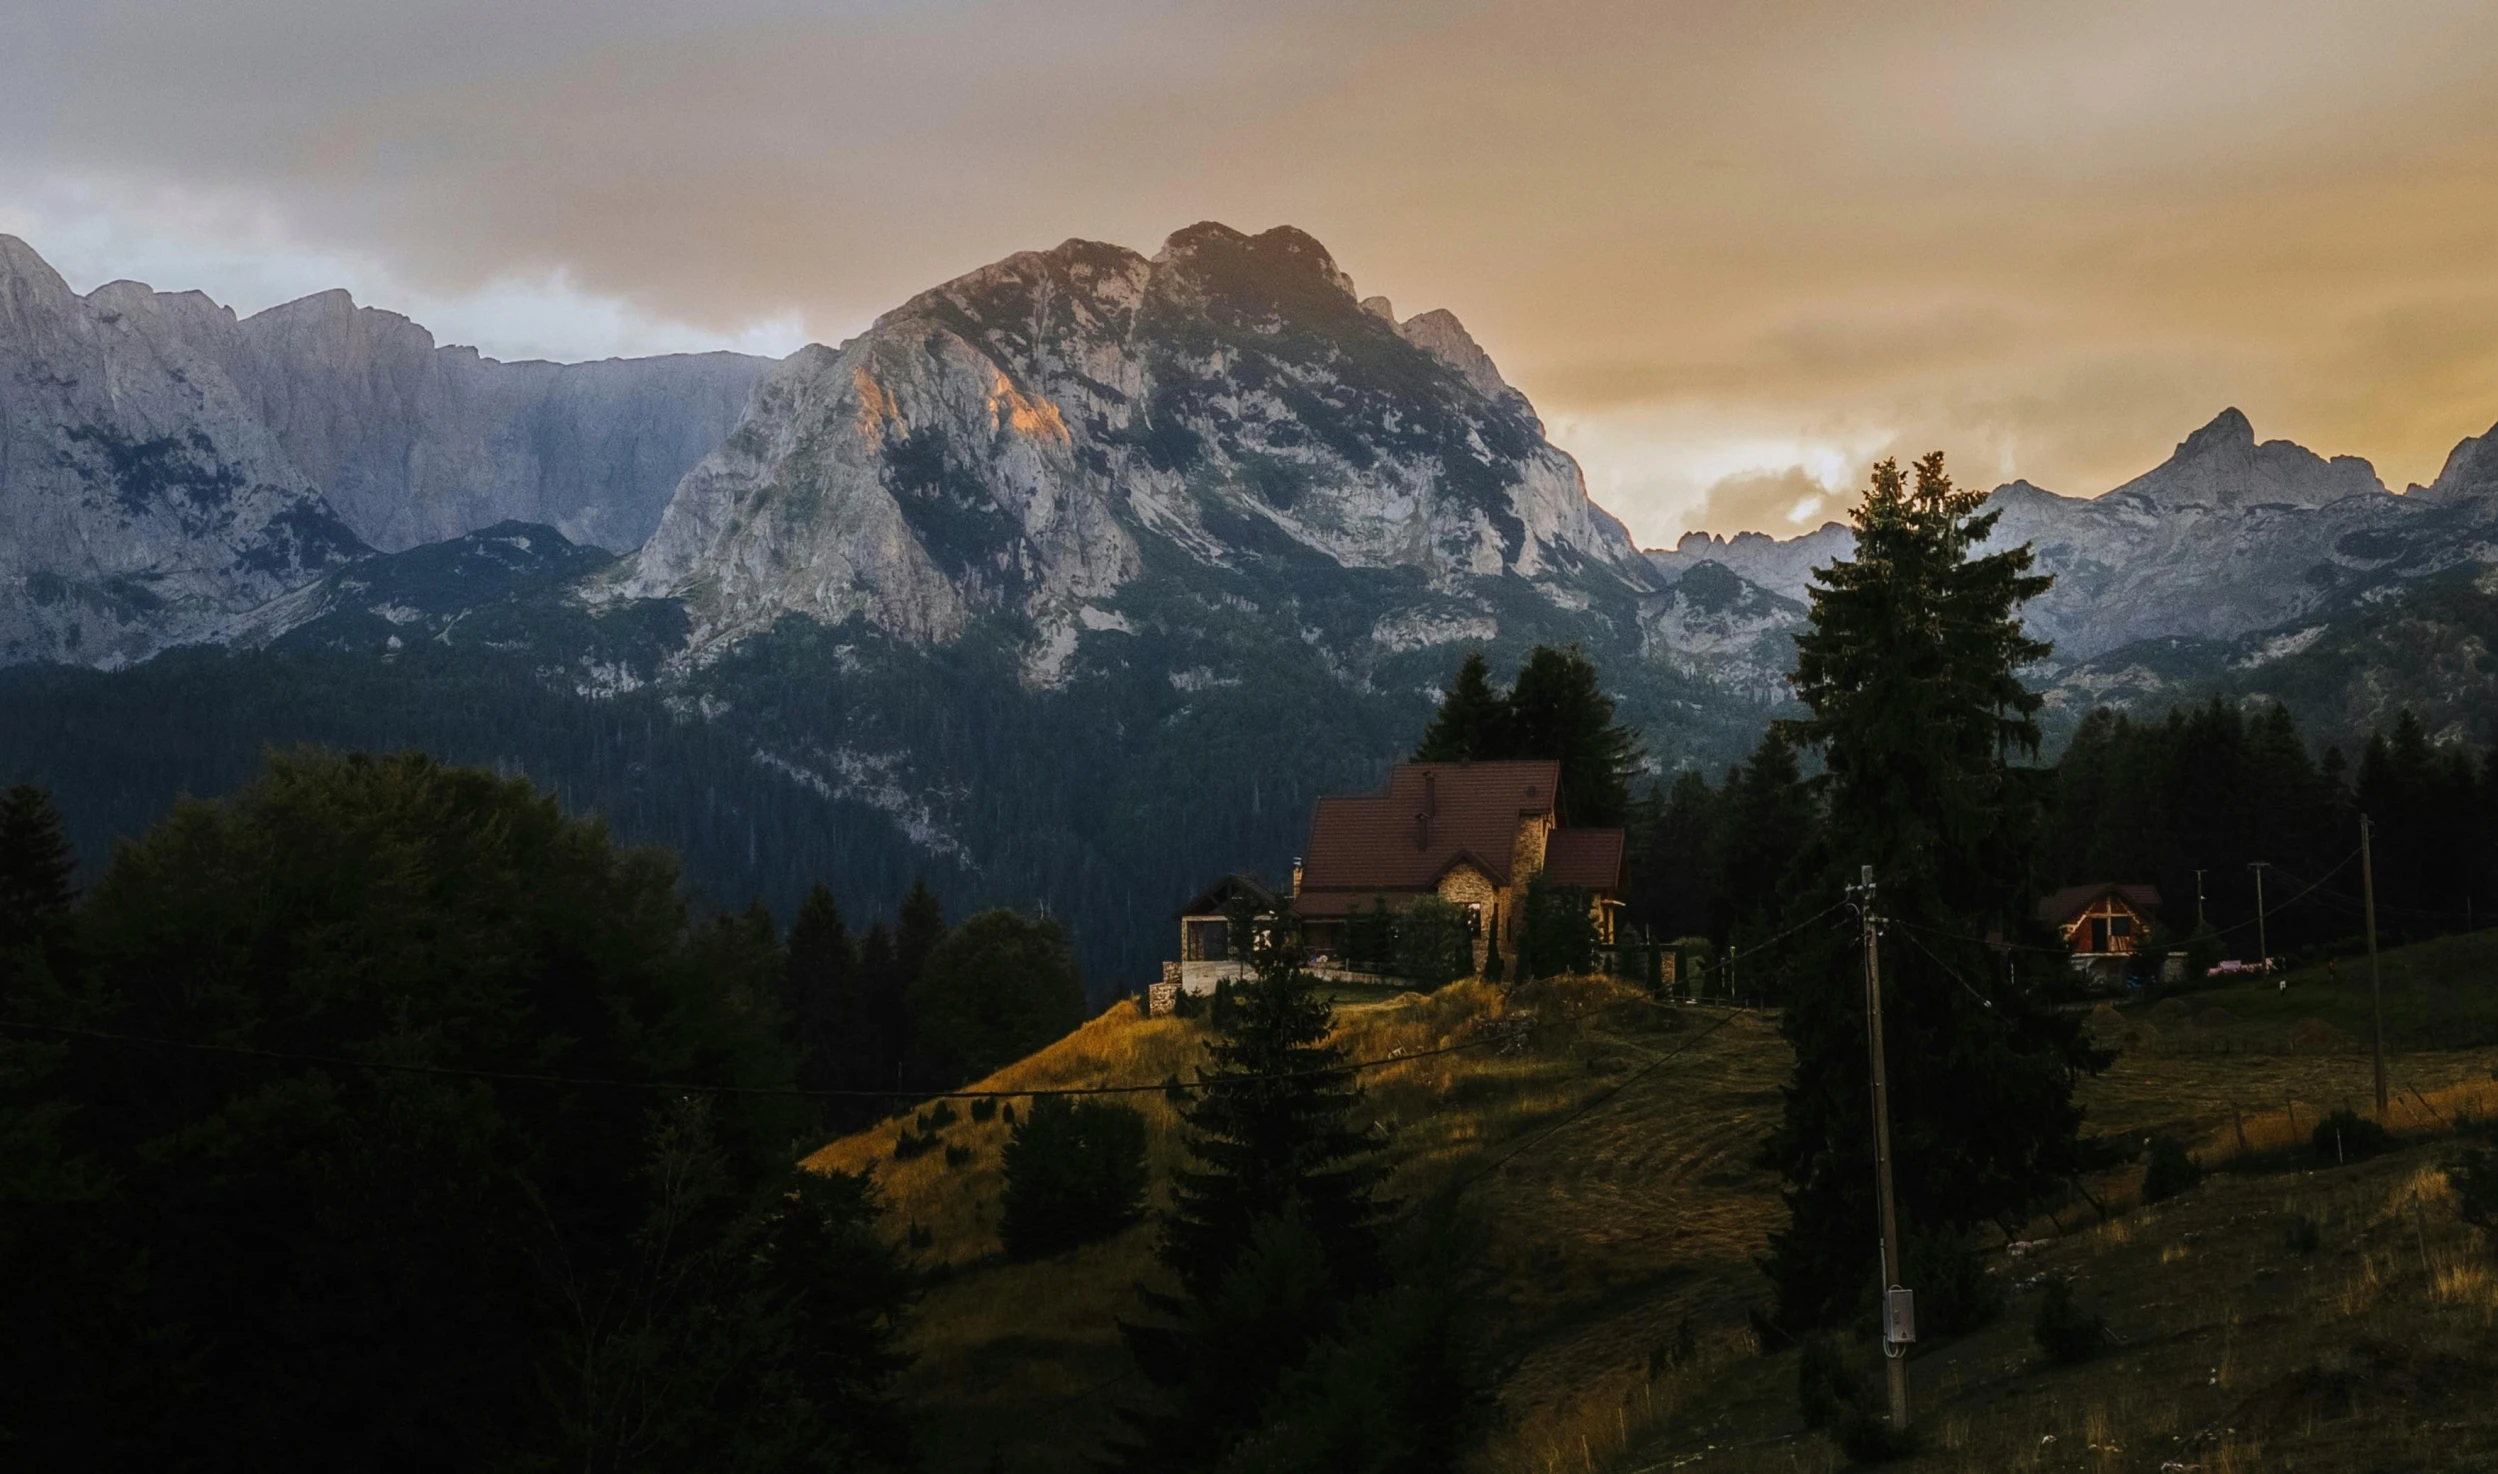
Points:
[[2099, 934], [1208, 941], [2120, 926], [1474, 918]]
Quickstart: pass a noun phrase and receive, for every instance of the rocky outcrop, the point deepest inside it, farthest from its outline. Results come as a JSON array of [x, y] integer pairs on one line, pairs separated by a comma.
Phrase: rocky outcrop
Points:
[[1025, 439], [414, 443], [142, 501], [2471, 471], [164, 465]]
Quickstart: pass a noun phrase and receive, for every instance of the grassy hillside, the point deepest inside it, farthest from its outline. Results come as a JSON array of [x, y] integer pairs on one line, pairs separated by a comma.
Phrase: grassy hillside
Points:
[[1607, 1140]]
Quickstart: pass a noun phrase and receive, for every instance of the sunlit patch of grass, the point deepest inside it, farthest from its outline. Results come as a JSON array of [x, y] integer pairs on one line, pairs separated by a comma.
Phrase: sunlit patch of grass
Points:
[[2359, 1292], [2464, 1282]]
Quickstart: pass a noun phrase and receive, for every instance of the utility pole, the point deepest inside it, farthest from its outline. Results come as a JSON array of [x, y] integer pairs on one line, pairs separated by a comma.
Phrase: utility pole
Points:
[[1899, 1318], [2198, 900], [2376, 992], [2263, 949]]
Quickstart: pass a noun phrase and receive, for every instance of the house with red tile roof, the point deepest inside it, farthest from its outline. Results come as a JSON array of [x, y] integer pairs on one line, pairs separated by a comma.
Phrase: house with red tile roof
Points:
[[1472, 834]]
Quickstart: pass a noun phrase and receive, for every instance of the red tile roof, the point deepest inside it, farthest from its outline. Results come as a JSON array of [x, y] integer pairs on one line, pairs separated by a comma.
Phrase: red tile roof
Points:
[[1432, 815], [1585, 857]]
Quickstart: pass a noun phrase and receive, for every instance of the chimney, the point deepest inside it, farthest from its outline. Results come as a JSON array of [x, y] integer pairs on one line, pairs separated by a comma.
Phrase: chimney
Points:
[[1430, 806], [1296, 877]]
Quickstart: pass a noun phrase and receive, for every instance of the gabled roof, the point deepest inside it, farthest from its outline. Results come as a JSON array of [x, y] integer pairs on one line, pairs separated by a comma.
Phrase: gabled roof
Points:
[[1217, 898], [1585, 857], [2060, 908], [1406, 838]]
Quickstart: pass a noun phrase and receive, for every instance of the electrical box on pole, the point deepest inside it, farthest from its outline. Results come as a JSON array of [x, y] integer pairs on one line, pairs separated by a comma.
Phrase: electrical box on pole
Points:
[[1899, 1316]]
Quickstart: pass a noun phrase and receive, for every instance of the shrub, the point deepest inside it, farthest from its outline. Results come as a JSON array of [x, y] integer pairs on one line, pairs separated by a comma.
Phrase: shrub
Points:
[[2347, 1136], [2068, 1334], [2474, 1178], [1955, 1294], [1075, 1172], [914, 1144], [2303, 1235], [2170, 1171], [1432, 946], [984, 1109], [1826, 1387], [1837, 1398], [956, 1156]]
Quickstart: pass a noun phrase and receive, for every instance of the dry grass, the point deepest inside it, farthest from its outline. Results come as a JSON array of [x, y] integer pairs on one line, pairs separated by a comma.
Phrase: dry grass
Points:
[[1610, 1160], [1026, 1361]]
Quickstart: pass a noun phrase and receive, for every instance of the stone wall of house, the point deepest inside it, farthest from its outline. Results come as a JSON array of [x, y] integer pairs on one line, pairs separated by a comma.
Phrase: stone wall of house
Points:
[[1464, 885]]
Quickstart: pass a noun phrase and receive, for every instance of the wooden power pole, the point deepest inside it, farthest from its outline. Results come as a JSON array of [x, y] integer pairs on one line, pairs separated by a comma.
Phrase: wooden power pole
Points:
[[2376, 990], [1899, 1318], [2263, 949]]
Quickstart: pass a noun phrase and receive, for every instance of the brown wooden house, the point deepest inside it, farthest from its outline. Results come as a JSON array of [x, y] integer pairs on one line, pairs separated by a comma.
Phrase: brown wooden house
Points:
[[2102, 920], [1472, 834]]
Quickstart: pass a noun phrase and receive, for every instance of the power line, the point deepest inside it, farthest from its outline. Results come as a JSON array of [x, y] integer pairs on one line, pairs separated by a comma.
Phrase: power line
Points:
[[519, 1077]]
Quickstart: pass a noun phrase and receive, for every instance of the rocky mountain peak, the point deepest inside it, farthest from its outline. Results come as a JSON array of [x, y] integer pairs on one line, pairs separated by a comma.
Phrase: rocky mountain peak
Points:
[[2222, 466], [2229, 431], [1015, 439], [2471, 470]]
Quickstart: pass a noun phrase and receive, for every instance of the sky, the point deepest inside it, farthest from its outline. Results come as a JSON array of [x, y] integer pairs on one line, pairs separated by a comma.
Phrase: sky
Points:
[[1734, 252]]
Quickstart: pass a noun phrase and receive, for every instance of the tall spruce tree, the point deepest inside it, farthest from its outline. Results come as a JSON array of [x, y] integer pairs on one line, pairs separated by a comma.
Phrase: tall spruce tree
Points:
[[1275, 1227], [918, 929], [1558, 709], [1909, 671], [882, 990], [840, 1040], [1473, 721], [36, 863]]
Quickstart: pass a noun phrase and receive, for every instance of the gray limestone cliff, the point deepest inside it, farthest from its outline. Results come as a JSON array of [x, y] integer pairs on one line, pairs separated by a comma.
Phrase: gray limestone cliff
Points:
[[1026, 438], [165, 465], [142, 502]]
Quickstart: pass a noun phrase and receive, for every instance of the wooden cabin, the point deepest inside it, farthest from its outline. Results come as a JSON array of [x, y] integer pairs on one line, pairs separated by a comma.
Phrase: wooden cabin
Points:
[[2102, 920], [1206, 955]]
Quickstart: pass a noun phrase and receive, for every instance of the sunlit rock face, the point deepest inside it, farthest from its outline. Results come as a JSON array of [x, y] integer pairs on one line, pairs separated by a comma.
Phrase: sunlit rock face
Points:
[[1027, 439], [142, 501]]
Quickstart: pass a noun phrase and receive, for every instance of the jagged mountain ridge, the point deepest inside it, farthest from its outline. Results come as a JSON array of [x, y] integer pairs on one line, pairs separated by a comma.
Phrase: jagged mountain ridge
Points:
[[1024, 440], [2225, 538], [166, 466]]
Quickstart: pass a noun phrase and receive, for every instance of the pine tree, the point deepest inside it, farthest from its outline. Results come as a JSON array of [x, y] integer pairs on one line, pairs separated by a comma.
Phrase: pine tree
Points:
[[1473, 721], [1764, 823], [840, 1039], [1909, 669], [882, 995], [1558, 710], [36, 863], [1271, 1231], [917, 931]]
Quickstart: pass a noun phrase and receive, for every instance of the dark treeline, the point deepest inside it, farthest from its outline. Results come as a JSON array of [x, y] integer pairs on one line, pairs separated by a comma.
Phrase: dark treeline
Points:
[[384, 1107], [2215, 788], [353, 1114]]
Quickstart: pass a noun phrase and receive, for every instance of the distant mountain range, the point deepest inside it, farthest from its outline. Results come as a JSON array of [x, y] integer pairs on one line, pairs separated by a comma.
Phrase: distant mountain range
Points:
[[1070, 581]]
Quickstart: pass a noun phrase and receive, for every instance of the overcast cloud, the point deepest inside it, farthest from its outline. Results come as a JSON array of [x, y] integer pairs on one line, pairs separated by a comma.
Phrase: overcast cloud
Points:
[[1732, 251]]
